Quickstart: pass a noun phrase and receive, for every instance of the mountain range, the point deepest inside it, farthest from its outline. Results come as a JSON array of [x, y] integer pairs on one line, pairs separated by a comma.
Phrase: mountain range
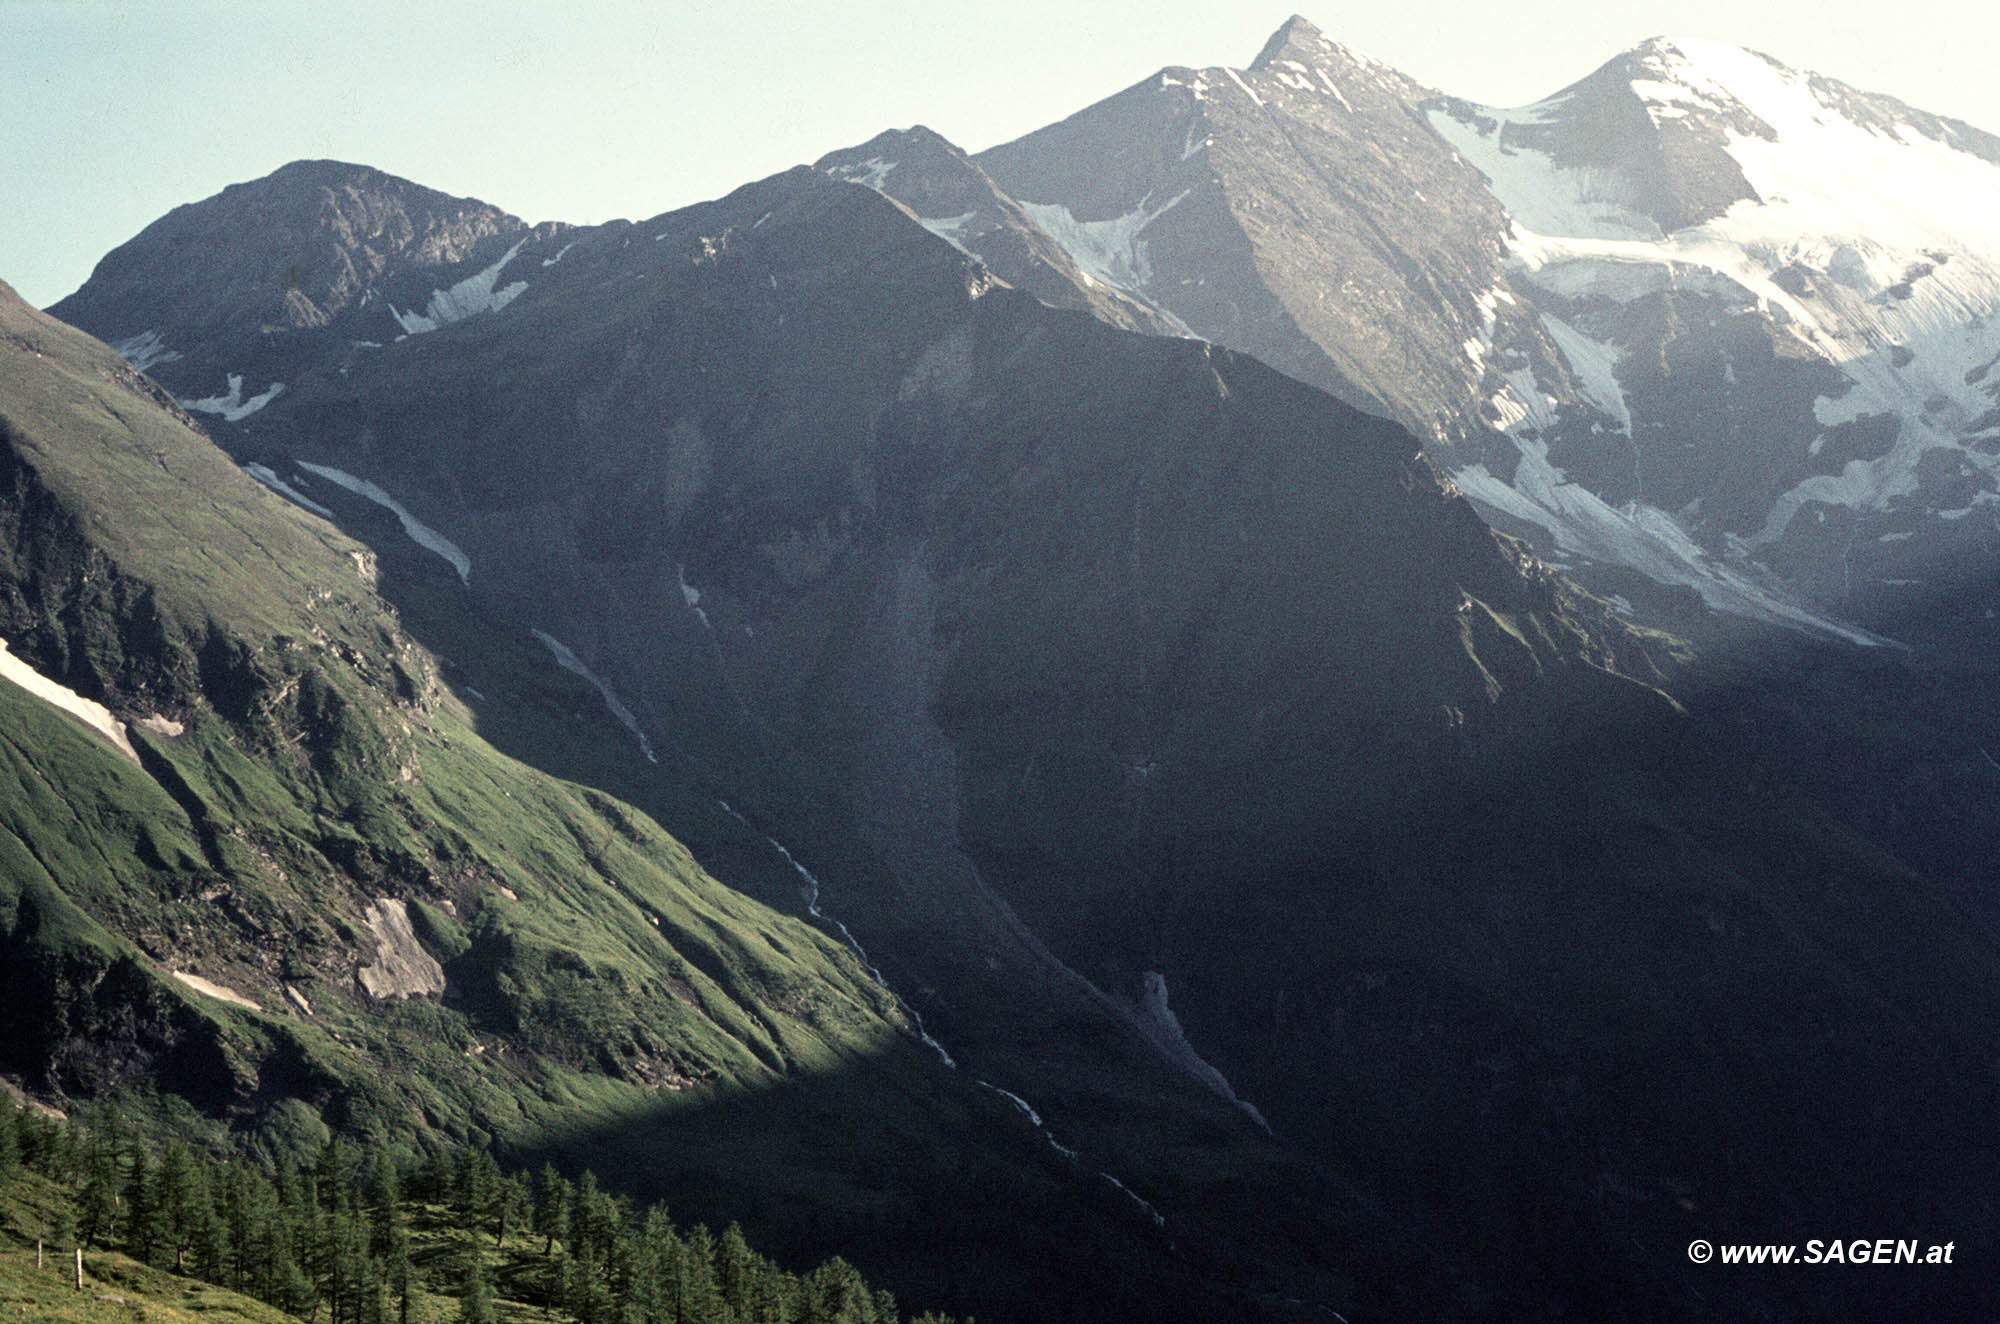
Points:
[[1339, 701]]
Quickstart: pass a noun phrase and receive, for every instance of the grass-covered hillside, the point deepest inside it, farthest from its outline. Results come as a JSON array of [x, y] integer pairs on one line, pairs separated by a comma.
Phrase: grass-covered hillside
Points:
[[286, 890], [312, 827]]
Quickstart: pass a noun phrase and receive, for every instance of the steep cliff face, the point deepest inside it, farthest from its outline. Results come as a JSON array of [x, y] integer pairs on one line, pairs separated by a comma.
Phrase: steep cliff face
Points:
[[1295, 210], [955, 200]]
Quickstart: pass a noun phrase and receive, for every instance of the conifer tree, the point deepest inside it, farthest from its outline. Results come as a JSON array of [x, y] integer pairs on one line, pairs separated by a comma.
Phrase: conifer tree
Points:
[[700, 1297], [400, 1275], [552, 1198], [292, 1289], [97, 1202], [176, 1207], [333, 1175], [386, 1227], [142, 1227], [510, 1201], [651, 1259], [835, 1294], [476, 1305], [735, 1268]]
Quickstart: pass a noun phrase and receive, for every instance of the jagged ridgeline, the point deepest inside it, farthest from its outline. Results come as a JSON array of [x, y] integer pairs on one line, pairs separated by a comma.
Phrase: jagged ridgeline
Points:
[[97, 1225]]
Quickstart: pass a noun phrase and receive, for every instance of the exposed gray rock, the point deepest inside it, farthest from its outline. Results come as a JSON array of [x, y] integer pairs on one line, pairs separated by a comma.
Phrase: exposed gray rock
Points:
[[402, 968]]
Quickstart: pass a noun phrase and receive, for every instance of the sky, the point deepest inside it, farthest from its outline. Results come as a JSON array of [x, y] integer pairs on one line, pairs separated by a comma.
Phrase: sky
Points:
[[116, 111]]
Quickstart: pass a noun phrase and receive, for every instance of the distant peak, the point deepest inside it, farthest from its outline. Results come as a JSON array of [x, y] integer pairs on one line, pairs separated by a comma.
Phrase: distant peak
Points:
[[330, 172], [1295, 37], [1695, 58]]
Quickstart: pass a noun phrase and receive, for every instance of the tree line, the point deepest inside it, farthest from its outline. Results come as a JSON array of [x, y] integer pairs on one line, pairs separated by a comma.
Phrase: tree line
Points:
[[362, 1235]]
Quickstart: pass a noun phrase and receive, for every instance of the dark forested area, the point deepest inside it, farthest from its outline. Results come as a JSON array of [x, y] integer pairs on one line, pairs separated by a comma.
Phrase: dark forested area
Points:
[[363, 1235]]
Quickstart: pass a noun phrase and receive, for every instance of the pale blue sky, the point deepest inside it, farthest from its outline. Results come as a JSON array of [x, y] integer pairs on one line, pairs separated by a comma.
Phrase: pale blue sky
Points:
[[116, 111]]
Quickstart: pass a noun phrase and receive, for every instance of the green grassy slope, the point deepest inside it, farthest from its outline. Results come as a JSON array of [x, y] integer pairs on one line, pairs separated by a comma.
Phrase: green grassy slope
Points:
[[319, 767], [301, 763]]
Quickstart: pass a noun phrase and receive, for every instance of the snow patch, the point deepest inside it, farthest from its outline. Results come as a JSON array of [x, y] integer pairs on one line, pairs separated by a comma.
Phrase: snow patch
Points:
[[1237, 79], [869, 173], [1595, 366], [474, 294], [419, 532], [1539, 194], [88, 711], [233, 407], [951, 229], [271, 480], [1637, 535], [561, 253], [145, 350], [1110, 252], [208, 988], [569, 662]]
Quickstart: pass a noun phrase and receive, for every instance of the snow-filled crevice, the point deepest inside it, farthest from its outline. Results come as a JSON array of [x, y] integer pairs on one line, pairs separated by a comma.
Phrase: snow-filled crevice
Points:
[[809, 892], [691, 596], [474, 294], [145, 351], [420, 533], [284, 489], [570, 662]]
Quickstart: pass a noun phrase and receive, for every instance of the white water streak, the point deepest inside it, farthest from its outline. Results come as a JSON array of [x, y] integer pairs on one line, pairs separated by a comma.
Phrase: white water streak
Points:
[[1021, 1105]]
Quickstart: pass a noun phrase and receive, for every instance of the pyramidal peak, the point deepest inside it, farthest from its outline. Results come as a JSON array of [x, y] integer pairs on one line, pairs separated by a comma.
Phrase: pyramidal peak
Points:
[[1298, 43], [1296, 38]]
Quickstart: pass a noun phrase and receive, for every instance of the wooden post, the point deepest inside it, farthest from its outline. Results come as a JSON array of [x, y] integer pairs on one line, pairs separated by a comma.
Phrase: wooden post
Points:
[[79, 1268]]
